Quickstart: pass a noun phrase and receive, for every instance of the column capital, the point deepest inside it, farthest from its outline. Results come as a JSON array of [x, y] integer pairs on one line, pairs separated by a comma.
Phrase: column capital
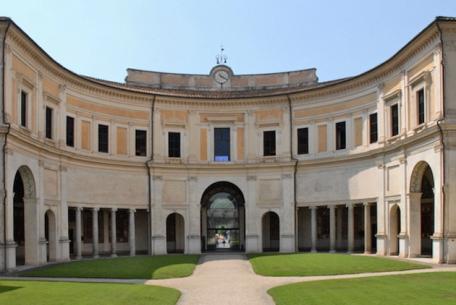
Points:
[[132, 210], [79, 209], [95, 209], [332, 207], [113, 210], [367, 204], [313, 207], [349, 205]]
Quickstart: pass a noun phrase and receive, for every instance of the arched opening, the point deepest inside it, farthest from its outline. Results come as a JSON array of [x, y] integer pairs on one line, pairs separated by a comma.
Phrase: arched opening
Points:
[[50, 235], [19, 219], [175, 233], [395, 229], [271, 232], [427, 212], [222, 218], [422, 205], [24, 216]]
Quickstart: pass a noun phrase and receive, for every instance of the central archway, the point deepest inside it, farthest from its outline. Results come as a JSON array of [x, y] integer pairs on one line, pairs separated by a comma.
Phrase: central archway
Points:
[[222, 218]]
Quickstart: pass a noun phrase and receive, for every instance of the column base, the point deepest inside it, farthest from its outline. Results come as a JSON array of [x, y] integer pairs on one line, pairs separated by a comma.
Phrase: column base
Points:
[[113, 255], [332, 251]]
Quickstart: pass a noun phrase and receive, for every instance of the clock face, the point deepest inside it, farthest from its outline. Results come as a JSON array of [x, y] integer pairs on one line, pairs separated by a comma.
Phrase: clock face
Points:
[[221, 76]]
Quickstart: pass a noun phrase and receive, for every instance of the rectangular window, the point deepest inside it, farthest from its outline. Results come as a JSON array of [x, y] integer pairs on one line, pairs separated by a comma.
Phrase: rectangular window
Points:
[[269, 143], [70, 131], [24, 97], [174, 145], [394, 120], [49, 112], [103, 138], [303, 141], [141, 143], [420, 106], [373, 128], [341, 140], [221, 144]]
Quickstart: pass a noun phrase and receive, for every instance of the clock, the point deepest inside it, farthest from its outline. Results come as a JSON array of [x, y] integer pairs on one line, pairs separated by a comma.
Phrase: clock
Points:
[[221, 76]]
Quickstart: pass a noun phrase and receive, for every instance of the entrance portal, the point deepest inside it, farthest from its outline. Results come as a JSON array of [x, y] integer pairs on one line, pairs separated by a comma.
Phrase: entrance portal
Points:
[[222, 218]]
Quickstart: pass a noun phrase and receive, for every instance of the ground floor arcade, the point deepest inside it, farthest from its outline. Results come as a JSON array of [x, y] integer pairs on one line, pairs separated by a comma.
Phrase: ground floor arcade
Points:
[[225, 222]]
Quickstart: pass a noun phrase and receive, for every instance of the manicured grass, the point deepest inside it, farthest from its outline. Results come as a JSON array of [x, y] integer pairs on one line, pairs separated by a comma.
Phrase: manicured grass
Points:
[[306, 264], [59, 293], [138, 267], [411, 289]]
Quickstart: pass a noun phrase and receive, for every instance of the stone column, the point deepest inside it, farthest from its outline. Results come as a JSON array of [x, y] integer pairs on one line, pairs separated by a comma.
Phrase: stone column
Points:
[[332, 228], [367, 229], [78, 241], [113, 233], [350, 231], [313, 228], [131, 232], [95, 231]]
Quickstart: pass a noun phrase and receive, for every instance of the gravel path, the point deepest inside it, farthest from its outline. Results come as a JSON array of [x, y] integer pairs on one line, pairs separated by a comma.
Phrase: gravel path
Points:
[[228, 279]]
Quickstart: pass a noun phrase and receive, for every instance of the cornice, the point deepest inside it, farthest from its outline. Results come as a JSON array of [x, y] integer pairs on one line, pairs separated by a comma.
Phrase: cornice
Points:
[[40, 149], [26, 44]]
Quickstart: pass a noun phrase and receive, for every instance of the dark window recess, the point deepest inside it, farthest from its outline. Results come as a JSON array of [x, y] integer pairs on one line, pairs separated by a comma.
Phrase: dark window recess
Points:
[[341, 135], [420, 102], [394, 120], [174, 145], [141, 143], [70, 131], [269, 143], [103, 138], [373, 128], [221, 144], [122, 218], [303, 141], [24, 97], [49, 112]]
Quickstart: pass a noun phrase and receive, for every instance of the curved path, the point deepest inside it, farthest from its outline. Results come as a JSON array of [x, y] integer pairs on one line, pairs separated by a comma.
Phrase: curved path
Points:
[[228, 279]]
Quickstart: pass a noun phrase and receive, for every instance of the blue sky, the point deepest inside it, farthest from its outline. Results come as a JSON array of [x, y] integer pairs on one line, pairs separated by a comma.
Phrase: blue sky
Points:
[[339, 38]]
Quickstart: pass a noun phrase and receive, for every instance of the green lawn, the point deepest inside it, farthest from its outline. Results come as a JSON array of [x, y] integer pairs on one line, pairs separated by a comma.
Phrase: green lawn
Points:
[[411, 289], [58, 293], [306, 264], [138, 267]]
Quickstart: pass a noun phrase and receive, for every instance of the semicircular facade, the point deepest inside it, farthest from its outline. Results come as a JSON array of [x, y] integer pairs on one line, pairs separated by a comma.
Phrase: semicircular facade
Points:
[[166, 162]]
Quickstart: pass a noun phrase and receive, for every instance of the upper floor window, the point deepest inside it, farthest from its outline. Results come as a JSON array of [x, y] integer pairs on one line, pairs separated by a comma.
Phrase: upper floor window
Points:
[[341, 135], [269, 143], [420, 106], [49, 112], [70, 131], [303, 141], [141, 143], [103, 138], [373, 128], [174, 145], [24, 98], [221, 144], [394, 120]]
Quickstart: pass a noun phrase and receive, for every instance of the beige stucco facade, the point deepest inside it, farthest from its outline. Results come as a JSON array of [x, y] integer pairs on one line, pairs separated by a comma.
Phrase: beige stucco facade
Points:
[[367, 196]]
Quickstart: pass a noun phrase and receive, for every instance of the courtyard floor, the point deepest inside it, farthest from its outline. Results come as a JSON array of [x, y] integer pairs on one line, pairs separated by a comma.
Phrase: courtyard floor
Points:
[[229, 279]]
